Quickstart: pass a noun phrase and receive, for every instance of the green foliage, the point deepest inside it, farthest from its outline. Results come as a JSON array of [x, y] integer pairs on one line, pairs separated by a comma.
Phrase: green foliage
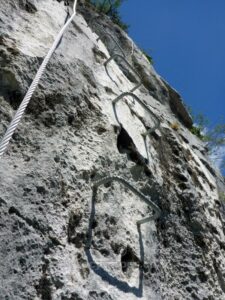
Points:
[[201, 123], [102, 5], [213, 136], [111, 8], [197, 131], [222, 196], [149, 58], [215, 139]]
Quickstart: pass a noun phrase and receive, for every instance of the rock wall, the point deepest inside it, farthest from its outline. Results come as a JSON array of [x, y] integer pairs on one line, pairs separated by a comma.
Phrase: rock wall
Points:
[[60, 239]]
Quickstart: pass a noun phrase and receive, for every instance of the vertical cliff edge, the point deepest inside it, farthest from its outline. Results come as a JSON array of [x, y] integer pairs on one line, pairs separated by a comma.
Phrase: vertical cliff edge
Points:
[[60, 238]]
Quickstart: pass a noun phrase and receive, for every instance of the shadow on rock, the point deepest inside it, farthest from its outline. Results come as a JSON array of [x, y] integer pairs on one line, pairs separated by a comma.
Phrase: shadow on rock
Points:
[[104, 274]]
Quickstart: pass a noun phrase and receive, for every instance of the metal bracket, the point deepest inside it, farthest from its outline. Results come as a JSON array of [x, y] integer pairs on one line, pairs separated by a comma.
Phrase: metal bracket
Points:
[[114, 55], [107, 34], [144, 106], [129, 65], [156, 209]]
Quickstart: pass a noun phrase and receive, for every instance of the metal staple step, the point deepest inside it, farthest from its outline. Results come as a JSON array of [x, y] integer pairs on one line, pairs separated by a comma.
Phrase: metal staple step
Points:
[[157, 125], [147, 200]]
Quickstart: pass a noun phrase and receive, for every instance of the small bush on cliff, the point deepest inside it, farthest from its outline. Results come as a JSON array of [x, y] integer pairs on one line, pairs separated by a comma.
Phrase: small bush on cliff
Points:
[[197, 131], [213, 136], [222, 196], [111, 8], [149, 58]]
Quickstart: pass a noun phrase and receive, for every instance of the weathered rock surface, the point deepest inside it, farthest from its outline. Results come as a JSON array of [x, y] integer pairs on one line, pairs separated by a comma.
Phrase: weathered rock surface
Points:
[[70, 137]]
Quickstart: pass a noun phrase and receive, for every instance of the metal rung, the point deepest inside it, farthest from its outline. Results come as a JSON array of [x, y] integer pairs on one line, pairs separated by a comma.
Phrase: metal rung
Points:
[[129, 65], [107, 34], [144, 106], [156, 209]]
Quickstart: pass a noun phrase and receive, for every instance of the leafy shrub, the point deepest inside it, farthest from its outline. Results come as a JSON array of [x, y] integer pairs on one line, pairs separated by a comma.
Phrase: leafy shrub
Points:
[[197, 131], [149, 58], [111, 8], [213, 136], [102, 5], [222, 196]]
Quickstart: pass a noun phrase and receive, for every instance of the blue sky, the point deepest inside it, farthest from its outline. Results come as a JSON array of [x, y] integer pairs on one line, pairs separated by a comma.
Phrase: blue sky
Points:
[[187, 42]]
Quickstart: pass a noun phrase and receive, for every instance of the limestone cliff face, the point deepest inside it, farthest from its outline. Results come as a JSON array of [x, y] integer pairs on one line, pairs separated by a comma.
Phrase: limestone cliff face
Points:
[[71, 136]]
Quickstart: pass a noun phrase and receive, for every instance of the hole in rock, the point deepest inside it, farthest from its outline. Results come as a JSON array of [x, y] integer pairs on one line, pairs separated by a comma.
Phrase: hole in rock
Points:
[[10, 88], [30, 7], [127, 258], [126, 145]]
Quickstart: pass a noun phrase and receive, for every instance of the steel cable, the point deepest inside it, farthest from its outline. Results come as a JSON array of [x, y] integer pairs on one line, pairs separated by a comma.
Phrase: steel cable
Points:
[[14, 123]]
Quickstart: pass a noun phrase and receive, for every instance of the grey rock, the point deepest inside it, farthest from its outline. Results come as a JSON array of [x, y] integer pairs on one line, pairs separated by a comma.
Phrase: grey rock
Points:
[[59, 239]]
